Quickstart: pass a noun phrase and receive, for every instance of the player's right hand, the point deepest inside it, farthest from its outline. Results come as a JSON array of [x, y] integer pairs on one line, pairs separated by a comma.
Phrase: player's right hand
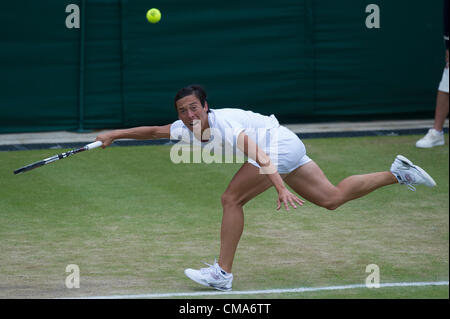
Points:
[[105, 138]]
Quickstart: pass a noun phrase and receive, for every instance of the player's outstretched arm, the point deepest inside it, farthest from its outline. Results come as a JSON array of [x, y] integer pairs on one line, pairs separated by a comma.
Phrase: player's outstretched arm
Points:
[[251, 149], [137, 133]]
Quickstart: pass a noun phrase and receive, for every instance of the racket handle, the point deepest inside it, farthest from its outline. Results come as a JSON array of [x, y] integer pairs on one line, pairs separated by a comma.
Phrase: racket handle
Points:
[[94, 145]]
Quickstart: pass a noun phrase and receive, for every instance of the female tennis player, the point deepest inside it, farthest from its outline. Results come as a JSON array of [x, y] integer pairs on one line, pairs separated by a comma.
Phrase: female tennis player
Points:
[[280, 160]]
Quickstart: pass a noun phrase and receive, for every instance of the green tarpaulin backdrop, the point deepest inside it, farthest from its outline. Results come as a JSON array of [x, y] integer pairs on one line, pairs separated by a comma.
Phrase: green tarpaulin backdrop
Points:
[[302, 60]]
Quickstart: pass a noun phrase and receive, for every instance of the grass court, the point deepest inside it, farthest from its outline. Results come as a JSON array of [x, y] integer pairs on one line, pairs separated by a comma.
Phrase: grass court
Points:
[[133, 221]]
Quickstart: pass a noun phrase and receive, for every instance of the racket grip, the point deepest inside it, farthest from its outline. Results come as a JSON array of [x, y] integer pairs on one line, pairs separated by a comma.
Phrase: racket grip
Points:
[[94, 145]]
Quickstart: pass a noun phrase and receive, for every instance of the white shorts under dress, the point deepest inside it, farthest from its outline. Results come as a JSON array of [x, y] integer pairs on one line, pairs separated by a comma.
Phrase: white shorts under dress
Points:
[[291, 152]]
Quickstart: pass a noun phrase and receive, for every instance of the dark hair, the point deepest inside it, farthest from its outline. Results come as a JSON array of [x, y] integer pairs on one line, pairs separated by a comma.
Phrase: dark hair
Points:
[[193, 89]]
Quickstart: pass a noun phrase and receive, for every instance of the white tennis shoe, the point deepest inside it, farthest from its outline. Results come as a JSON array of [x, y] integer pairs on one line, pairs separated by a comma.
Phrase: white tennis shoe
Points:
[[212, 276], [431, 139], [409, 174]]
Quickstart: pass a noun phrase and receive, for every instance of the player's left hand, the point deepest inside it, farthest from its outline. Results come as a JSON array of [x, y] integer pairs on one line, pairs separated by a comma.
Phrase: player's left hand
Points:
[[286, 197]]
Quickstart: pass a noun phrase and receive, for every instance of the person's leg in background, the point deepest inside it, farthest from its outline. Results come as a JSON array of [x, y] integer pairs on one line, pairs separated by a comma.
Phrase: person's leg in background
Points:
[[435, 135]]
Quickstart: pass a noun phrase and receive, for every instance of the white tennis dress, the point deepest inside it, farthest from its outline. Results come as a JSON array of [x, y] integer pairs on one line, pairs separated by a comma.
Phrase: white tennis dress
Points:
[[284, 148]]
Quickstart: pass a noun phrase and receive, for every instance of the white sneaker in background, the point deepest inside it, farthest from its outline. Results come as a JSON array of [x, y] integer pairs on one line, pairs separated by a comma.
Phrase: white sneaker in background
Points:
[[212, 276], [409, 174], [431, 139]]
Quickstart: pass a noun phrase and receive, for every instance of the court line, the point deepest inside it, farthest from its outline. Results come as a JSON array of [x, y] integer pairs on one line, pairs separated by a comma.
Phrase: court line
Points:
[[267, 291]]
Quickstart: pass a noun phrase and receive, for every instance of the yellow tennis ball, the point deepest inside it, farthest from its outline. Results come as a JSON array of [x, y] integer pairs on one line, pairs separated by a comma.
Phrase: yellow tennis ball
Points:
[[153, 15]]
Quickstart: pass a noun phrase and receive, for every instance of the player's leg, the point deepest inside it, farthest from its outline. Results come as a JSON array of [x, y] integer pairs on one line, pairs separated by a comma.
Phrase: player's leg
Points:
[[246, 184], [310, 182]]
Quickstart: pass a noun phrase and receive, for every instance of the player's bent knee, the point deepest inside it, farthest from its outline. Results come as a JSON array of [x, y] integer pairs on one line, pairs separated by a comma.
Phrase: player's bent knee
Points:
[[332, 200], [330, 204], [229, 200]]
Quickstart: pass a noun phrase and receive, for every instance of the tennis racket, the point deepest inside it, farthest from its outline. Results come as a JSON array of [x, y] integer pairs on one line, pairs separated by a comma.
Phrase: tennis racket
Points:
[[58, 157]]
